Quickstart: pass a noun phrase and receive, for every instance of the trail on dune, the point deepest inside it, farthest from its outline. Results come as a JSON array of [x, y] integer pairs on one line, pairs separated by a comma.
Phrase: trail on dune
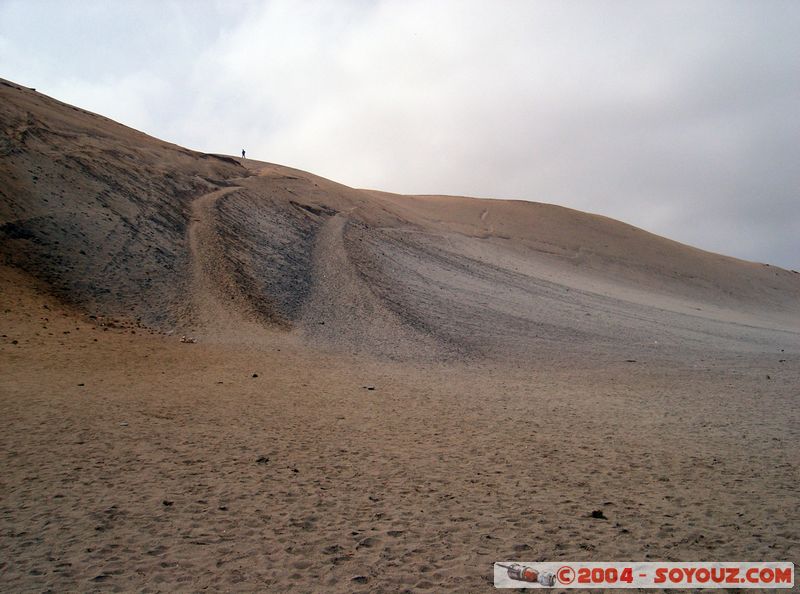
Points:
[[218, 306], [343, 310]]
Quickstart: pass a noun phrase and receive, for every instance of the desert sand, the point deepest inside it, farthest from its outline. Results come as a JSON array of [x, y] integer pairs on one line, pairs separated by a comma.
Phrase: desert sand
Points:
[[386, 393]]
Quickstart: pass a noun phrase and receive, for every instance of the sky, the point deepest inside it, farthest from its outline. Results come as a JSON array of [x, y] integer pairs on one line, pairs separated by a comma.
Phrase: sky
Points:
[[682, 118]]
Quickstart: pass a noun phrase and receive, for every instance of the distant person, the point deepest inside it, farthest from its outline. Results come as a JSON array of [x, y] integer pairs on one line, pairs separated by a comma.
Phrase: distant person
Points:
[[242, 153]]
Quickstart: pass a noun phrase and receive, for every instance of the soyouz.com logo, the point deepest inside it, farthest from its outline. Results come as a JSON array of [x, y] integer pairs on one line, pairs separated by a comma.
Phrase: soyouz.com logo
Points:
[[617, 574]]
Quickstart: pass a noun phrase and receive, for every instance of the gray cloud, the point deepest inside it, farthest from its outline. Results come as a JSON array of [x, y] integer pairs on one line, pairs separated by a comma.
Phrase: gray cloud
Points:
[[679, 117]]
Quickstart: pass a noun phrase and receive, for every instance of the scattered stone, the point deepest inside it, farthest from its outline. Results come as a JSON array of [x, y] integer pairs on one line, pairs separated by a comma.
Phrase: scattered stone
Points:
[[599, 515], [188, 339], [369, 387], [630, 360], [123, 424], [262, 460], [360, 579], [768, 377], [223, 508], [14, 342], [81, 385], [255, 375], [522, 547], [167, 503]]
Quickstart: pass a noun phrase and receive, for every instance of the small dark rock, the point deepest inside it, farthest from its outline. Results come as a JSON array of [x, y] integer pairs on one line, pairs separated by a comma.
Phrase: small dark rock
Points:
[[255, 375], [262, 460], [367, 542], [630, 360], [599, 515], [522, 547], [360, 579], [167, 503]]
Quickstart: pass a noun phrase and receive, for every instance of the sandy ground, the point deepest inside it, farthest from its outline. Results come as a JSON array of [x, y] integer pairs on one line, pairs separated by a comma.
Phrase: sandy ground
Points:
[[135, 462]]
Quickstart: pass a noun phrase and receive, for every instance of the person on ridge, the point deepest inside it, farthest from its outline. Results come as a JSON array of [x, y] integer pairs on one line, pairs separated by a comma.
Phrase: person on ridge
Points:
[[242, 153]]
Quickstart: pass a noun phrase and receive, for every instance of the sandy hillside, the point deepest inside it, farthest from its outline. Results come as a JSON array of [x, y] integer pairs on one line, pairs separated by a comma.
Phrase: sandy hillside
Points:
[[387, 392], [122, 224]]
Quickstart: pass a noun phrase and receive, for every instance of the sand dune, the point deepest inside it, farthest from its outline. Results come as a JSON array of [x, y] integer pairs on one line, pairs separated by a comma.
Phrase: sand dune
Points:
[[105, 216], [387, 392]]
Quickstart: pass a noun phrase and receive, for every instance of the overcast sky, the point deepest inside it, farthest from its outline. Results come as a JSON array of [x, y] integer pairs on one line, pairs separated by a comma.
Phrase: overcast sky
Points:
[[679, 117]]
